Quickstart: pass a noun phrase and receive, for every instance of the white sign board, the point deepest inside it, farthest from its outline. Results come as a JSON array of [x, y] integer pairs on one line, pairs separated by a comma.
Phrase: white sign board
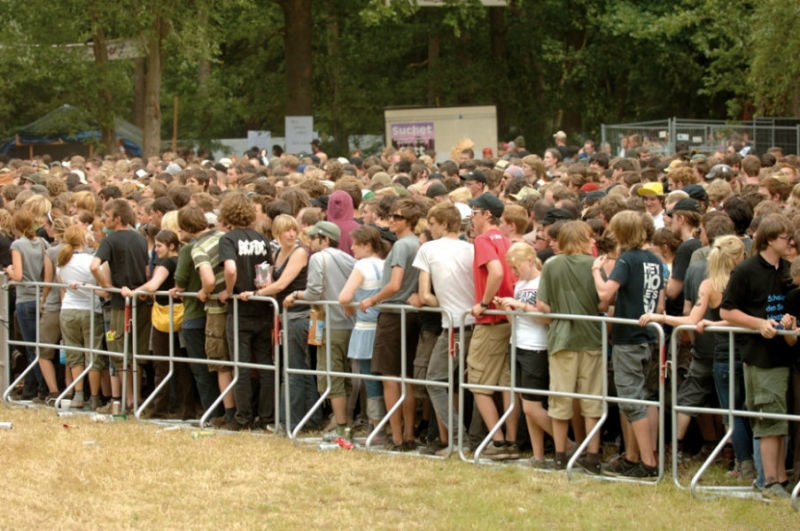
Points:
[[260, 139], [299, 134]]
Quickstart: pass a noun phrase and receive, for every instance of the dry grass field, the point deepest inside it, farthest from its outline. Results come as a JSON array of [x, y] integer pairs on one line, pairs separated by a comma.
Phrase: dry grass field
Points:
[[71, 473]]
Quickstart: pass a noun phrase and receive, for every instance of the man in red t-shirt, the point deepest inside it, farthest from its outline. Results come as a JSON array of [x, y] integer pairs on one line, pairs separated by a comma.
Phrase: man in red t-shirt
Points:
[[488, 361]]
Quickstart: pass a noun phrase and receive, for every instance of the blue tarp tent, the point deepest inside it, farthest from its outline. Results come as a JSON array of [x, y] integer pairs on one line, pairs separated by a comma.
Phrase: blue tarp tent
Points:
[[65, 131]]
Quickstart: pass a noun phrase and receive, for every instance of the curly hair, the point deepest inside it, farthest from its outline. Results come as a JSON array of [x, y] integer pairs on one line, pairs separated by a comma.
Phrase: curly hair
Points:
[[237, 210]]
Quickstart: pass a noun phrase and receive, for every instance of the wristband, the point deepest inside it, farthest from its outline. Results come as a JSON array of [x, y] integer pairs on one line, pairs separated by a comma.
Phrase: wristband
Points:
[[484, 304]]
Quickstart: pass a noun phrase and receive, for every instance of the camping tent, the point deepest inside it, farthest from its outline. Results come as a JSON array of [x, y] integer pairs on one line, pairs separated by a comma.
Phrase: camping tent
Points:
[[67, 131]]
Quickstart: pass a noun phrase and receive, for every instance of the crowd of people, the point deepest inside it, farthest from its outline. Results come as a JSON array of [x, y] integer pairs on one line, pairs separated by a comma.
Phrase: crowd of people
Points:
[[705, 239]]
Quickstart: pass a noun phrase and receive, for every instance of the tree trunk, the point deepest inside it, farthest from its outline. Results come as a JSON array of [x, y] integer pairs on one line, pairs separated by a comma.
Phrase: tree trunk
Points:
[[497, 36], [138, 92], [434, 49], [297, 41], [335, 76], [151, 129], [106, 113]]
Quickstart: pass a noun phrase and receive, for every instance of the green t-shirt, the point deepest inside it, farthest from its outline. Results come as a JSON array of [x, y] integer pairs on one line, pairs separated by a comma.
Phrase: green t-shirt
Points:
[[567, 287], [186, 277]]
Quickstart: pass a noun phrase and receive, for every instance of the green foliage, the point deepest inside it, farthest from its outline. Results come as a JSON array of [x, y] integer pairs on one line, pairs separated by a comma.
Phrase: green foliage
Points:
[[562, 64]]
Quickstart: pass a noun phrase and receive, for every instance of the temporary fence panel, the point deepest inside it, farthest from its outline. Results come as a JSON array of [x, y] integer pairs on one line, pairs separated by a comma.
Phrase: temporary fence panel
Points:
[[602, 322], [705, 136], [731, 412]]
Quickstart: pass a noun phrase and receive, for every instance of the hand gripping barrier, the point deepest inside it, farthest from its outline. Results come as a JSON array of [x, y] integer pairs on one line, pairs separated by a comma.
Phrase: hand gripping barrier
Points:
[[602, 322], [731, 412]]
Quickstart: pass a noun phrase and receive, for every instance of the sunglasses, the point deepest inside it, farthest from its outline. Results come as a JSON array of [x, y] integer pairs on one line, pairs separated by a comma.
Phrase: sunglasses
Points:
[[398, 217]]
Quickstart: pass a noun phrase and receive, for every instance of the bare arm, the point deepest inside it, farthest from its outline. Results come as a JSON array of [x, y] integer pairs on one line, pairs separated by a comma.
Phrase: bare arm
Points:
[[160, 274], [349, 290], [425, 291], [674, 287], [208, 281], [296, 263], [493, 281], [15, 272]]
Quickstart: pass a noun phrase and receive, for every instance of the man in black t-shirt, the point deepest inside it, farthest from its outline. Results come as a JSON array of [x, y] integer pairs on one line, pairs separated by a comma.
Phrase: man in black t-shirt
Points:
[[756, 298], [241, 249], [124, 252]]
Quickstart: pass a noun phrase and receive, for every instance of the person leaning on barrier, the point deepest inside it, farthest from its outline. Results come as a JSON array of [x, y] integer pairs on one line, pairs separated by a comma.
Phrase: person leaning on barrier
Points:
[[756, 298], [77, 306], [573, 346], [210, 268], [28, 264], [531, 344], [398, 284], [328, 271], [488, 360], [365, 280], [241, 250], [636, 283], [125, 252], [192, 225], [289, 275], [444, 266]]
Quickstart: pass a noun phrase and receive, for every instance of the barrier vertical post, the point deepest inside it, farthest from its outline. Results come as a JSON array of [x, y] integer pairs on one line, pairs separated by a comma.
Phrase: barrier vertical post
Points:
[[5, 350]]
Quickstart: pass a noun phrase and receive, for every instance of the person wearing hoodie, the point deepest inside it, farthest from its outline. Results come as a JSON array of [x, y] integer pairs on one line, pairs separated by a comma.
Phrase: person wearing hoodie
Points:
[[340, 213]]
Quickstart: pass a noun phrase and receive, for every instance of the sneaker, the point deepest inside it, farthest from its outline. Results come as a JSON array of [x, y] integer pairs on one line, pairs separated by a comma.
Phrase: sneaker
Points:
[[775, 490], [77, 403], [590, 464], [235, 425], [496, 451], [619, 466], [109, 407], [747, 470], [50, 399], [641, 470], [560, 462], [401, 447], [432, 447], [94, 403], [512, 449], [539, 463], [335, 433]]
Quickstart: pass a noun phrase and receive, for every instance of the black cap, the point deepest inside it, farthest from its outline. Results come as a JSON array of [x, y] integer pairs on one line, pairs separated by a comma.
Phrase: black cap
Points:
[[685, 204], [696, 191], [488, 202], [321, 202], [436, 189], [475, 175], [556, 214]]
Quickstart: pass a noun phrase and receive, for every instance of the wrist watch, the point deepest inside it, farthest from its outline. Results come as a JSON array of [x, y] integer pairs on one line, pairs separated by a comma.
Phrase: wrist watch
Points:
[[484, 304]]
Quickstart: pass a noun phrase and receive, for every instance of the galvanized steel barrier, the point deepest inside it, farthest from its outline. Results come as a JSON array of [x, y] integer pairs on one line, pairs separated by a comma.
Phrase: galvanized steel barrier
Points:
[[605, 398], [731, 412]]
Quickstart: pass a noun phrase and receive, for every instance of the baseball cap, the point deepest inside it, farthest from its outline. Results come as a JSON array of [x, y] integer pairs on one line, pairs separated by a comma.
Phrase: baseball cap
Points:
[[488, 202], [327, 229]]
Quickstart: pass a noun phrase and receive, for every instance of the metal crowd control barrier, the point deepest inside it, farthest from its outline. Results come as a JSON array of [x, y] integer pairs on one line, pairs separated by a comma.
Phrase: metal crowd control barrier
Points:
[[38, 344], [235, 363], [731, 412], [329, 374], [602, 321], [94, 350]]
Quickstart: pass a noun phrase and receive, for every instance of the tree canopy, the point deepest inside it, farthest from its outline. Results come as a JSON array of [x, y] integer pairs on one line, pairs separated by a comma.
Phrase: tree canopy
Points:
[[547, 64]]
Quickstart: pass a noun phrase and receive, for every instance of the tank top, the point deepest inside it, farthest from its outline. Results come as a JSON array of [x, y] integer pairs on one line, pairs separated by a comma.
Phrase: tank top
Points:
[[299, 283]]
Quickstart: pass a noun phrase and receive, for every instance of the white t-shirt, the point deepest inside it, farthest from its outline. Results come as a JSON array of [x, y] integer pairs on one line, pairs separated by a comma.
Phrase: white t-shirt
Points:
[[77, 270], [449, 263], [531, 335]]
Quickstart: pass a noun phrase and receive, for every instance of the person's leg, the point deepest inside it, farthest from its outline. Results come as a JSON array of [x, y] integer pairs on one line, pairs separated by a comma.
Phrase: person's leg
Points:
[[49, 332], [194, 337], [391, 394], [217, 350], [438, 371], [243, 389], [630, 367], [564, 373], [261, 346], [26, 317]]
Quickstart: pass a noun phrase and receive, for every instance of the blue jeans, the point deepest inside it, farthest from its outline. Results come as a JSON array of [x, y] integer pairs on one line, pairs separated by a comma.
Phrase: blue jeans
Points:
[[26, 317], [742, 435], [193, 334], [302, 387]]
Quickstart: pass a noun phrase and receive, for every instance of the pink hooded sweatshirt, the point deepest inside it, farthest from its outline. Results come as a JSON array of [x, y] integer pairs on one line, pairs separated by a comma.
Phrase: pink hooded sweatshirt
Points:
[[340, 212]]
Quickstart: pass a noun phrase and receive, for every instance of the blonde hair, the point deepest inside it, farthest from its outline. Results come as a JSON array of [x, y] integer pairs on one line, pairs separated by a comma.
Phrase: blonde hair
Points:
[[575, 237], [726, 252], [282, 223], [170, 221], [628, 229], [460, 195], [522, 251]]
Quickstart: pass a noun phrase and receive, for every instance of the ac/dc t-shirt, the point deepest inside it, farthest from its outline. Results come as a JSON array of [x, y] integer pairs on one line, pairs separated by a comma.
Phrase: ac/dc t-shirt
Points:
[[247, 248]]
